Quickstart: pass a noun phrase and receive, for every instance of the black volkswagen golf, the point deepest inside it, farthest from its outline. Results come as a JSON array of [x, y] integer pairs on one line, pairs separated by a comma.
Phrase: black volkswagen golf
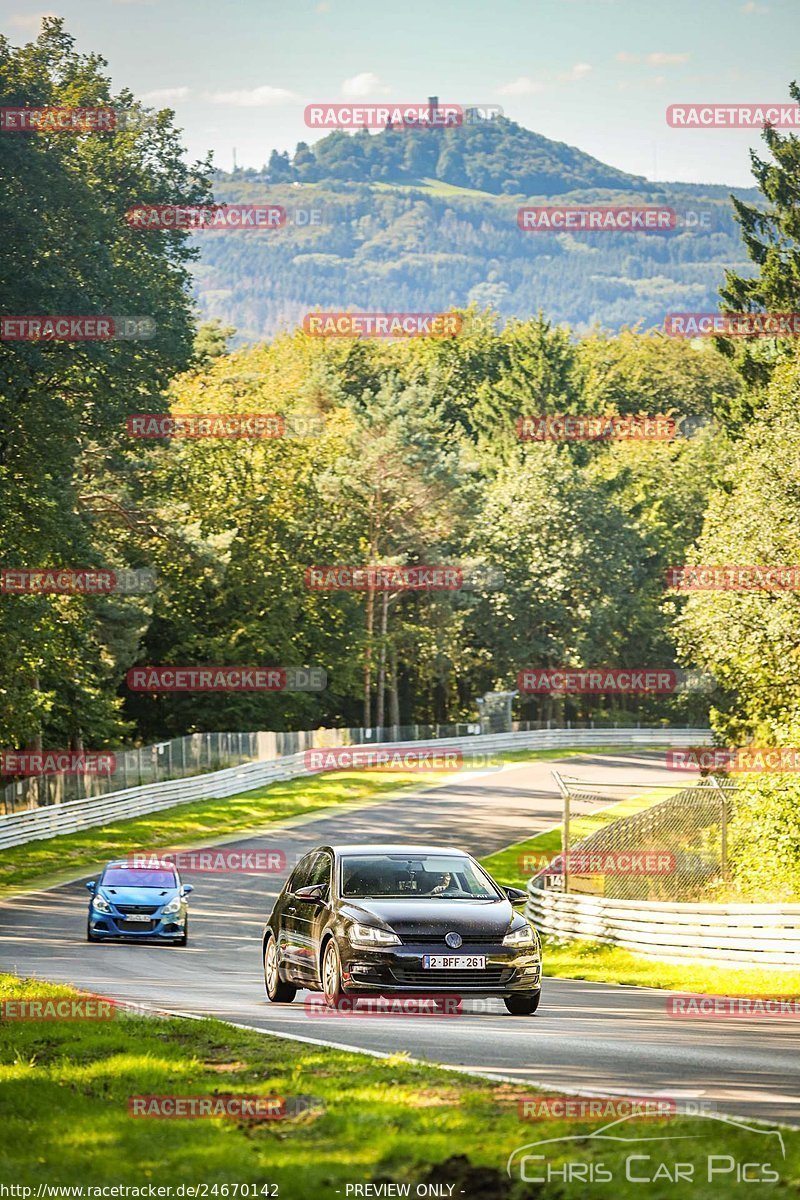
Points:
[[355, 920]]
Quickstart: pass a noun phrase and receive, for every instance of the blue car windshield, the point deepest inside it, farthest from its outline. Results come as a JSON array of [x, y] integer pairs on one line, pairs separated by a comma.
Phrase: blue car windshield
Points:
[[138, 877]]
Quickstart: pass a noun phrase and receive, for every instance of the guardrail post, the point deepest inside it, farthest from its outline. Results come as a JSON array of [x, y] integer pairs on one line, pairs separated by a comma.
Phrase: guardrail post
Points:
[[562, 787], [723, 850]]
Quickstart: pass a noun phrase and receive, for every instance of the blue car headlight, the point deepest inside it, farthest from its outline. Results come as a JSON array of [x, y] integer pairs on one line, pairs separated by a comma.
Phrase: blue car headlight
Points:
[[101, 904], [174, 906]]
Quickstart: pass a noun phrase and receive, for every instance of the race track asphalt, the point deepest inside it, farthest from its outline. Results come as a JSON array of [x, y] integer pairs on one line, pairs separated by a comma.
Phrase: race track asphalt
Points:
[[594, 1038]]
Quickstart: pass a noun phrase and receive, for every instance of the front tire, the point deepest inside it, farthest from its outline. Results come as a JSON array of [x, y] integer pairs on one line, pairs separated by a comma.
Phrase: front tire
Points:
[[90, 937], [332, 975], [184, 941], [522, 1004], [278, 992]]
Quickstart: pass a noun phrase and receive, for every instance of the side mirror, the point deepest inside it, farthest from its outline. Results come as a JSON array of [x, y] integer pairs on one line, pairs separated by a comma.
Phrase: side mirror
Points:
[[315, 893], [515, 895], [91, 886], [187, 887]]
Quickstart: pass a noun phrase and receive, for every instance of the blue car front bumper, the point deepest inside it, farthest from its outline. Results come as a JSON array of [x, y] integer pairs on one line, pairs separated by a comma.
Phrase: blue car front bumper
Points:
[[117, 925]]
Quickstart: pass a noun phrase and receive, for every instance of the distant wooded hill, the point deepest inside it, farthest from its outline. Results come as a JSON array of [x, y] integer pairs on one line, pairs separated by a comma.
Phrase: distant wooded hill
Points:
[[417, 219]]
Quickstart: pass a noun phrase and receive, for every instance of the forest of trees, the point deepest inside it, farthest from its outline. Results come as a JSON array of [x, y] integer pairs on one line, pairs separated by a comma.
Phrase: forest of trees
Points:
[[416, 460]]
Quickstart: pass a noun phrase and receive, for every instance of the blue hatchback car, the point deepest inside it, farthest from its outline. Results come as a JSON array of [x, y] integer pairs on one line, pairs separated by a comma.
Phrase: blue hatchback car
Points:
[[138, 903]]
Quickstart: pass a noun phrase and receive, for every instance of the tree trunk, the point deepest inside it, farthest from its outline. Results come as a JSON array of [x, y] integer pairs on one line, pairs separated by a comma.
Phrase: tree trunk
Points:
[[368, 660], [394, 699], [382, 666]]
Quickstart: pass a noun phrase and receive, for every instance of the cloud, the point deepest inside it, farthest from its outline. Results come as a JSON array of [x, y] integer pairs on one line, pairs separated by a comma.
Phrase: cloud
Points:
[[323, 7], [365, 84], [30, 21], [523, 86], [658, 58], [751, 8], [260, 97], [164, 95], [579, 71]]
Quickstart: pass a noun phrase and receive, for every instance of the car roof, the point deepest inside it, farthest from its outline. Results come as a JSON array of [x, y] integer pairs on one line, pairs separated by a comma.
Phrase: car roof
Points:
[[153, 864], [393, 848]]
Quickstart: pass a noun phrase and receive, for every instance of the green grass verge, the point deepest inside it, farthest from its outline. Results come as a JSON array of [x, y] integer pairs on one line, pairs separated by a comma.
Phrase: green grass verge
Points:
[[65, 1120], [185, 825], [611, 964], [600, 963]]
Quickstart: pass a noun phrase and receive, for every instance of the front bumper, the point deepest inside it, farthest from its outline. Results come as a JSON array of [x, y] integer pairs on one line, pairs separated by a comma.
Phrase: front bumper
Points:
[[115, 926], [399, 969]]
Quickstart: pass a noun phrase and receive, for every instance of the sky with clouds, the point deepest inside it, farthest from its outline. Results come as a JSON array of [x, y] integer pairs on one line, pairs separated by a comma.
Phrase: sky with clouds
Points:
[[598, 74]]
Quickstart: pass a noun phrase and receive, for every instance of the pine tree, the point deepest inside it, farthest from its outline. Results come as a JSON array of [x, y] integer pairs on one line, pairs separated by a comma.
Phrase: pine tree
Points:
[[772, 239]]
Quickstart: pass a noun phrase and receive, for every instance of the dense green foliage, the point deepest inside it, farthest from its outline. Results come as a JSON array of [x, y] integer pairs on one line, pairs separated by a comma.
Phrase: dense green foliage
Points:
[[490, 155], [63, 404], [764, 839], [429, 246]]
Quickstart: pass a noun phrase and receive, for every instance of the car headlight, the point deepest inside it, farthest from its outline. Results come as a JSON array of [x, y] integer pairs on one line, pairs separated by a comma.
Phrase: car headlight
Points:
[[524, 936], [173, 907], [367, 935], [101, 904]]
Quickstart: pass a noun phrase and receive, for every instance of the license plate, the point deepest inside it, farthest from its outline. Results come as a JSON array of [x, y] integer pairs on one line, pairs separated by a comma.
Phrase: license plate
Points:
[[448, 962], [137, 917]]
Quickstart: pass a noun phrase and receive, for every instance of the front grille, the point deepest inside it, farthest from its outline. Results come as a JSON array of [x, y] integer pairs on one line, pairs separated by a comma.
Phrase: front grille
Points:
[[434, 980], [136, 926], [437, 939], [145, 909]]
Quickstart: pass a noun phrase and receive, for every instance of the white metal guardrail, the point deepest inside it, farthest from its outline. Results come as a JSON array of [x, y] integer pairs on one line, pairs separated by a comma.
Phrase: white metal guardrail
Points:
[[41, 823], [757, 935]]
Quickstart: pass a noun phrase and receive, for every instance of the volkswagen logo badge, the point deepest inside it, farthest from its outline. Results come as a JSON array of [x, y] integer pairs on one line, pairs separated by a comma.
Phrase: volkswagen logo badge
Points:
[[453, 940]]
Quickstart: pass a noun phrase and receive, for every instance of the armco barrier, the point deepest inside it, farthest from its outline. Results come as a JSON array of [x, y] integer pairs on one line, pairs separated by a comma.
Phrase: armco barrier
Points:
[[741, 935], [42, 823]]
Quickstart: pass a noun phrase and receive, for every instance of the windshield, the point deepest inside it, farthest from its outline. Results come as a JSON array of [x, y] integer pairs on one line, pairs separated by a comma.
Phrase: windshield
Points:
[[138, 877], [410, 877]]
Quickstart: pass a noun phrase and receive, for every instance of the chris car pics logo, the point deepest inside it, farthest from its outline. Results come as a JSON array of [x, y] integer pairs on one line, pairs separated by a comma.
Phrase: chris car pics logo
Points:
[[643, 1155]]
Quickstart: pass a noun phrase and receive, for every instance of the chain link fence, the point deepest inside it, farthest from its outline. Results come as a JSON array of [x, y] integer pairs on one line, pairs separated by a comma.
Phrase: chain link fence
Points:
[[666, 843], [199, 753], [194, 754]]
